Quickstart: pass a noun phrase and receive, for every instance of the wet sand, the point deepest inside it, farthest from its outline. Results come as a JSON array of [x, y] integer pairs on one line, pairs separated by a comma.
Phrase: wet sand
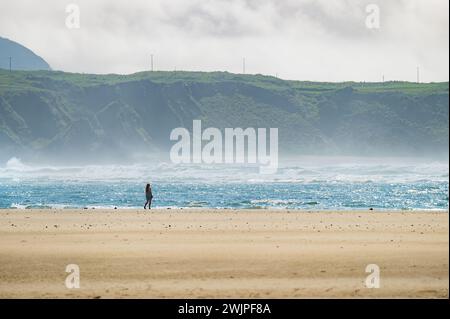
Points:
[[223, 253]]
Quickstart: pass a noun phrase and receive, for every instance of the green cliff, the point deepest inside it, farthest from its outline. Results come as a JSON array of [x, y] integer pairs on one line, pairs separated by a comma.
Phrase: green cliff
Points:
[[47, 115]]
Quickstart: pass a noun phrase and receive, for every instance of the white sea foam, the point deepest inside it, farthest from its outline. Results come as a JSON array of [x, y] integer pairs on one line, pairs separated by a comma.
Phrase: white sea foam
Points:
[[298, 171], [18, 206], [16, 164]]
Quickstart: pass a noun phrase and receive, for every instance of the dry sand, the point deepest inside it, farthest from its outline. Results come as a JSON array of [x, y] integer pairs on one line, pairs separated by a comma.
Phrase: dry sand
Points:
[[223, 253]]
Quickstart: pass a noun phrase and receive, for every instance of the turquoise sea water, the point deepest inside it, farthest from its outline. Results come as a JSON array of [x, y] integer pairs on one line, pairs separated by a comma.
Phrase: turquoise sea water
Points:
[[320, 186]]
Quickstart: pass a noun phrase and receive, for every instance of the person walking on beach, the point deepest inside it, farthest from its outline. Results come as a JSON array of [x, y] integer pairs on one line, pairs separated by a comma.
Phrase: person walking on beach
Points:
[[148, 196]]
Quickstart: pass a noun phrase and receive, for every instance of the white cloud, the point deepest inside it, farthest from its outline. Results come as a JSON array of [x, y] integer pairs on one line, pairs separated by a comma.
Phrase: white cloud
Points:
[[298, 39]]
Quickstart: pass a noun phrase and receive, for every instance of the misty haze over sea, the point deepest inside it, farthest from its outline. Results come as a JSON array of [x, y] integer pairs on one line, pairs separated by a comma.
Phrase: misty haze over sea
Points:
[[304, 183]]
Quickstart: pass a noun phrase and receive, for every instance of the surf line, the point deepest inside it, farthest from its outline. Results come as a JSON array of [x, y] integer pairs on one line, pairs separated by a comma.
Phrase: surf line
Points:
[[238, 146]]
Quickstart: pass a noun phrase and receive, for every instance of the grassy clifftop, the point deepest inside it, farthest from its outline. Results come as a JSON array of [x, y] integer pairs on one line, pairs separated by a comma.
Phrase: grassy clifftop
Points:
[[23, 80]]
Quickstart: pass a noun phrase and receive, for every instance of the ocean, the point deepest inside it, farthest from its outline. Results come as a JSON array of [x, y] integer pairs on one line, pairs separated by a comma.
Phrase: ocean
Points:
[[308, 183]]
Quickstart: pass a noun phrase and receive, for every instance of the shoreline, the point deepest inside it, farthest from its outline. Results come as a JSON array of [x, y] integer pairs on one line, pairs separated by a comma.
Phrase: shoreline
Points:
[[229, 253], [281, 209]]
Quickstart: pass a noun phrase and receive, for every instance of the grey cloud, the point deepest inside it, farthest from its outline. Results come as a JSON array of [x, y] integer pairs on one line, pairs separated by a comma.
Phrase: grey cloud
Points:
[[303, 39]]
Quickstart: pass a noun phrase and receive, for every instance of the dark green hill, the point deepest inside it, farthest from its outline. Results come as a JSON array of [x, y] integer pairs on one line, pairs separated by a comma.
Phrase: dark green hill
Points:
[[56, 115]]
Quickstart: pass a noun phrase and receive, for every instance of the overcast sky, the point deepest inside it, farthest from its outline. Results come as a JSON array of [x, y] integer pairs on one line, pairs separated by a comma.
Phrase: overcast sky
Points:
[[320, 40]]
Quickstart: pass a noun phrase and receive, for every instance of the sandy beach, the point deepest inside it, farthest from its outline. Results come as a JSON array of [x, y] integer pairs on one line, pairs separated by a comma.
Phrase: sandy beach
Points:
[[223, 253]]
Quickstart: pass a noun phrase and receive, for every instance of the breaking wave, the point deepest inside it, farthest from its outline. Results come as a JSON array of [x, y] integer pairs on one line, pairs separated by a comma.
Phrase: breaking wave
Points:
[[339, 184]]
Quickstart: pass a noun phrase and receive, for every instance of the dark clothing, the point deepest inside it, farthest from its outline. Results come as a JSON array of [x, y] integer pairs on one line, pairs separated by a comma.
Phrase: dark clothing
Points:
[[148, 197]]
